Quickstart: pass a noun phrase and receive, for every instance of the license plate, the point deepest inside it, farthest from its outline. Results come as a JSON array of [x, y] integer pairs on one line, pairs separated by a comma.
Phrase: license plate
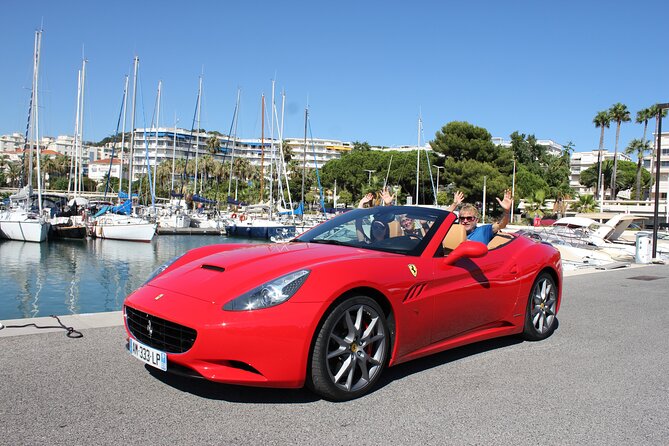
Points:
[[151, 356]]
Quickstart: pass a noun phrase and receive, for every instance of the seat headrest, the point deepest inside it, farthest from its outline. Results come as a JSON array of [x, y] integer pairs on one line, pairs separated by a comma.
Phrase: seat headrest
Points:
[[456, 235]]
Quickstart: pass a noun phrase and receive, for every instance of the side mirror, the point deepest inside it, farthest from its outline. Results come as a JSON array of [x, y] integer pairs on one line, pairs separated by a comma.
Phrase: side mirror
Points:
[[467, 249]]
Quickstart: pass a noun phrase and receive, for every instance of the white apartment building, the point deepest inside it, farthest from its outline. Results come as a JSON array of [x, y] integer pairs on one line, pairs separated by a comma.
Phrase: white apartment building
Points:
[[581, 161], [664, 166], [97, 170], [60, 145], [167, 143]]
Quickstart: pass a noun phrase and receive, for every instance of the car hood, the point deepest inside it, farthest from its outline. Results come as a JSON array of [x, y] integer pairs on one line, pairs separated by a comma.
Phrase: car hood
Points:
[[223, 275]]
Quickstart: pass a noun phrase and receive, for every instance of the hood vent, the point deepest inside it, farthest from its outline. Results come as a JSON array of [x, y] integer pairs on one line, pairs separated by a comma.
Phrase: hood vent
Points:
[[213, 267]]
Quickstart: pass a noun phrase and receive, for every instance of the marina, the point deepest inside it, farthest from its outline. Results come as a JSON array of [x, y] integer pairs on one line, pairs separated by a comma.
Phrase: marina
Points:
[[64, 277]]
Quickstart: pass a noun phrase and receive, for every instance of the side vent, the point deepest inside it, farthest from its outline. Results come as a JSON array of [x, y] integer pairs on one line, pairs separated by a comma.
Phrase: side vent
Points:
[[213, 267], [414, 292]]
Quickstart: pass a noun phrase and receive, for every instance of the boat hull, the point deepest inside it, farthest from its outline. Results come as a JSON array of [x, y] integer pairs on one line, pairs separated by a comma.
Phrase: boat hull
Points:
[[68, 231], [259, 230], [23, 229], [123, 228]]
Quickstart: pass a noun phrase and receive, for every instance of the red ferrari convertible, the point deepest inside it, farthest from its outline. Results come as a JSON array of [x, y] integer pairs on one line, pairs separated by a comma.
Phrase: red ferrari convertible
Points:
[[332, 308]]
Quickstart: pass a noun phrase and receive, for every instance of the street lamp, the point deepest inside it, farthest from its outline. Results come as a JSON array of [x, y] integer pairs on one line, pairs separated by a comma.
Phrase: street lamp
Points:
[[656, 212], [369, 182], [438, 169]]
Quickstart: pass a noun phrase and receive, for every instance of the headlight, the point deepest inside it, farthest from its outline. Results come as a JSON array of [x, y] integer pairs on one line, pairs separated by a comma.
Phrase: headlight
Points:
[[269, 294], [161, 268]]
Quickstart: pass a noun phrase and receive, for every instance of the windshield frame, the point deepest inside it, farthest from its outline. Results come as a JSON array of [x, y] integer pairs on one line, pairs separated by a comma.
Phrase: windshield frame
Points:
[[363, 218]]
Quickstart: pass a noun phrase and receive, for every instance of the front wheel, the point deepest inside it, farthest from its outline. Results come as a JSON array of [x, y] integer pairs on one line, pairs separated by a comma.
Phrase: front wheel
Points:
[[540, 317], [350, 351]]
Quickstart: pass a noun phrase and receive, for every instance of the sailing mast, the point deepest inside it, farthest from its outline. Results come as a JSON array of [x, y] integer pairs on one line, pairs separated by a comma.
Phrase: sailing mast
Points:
[[197, 135], [35, 104], [174, 152], [155, 158], [81, 127], [304, 154], [272, 154], [418, 160], [75, 141], [234, 142], [132, 129], [282, 159], [262, 146], [125, 104]]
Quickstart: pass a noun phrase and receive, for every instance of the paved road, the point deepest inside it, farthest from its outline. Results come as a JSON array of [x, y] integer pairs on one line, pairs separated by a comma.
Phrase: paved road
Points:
[[601, 379]]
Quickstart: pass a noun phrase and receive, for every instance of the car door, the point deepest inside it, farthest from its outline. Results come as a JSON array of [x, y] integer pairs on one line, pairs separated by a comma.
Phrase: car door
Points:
[[473, 293]]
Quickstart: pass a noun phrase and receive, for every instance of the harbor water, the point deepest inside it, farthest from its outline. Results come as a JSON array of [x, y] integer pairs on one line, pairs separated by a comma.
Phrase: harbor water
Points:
[[62, 277]]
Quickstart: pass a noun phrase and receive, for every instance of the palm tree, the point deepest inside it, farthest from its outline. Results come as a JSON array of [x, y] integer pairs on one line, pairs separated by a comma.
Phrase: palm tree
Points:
[[213, 144], [638, 147], [602, 120], [14, 173], [241, 168], [49, 167], [643, 116], [535, 203], [585, 204], [619, 113]]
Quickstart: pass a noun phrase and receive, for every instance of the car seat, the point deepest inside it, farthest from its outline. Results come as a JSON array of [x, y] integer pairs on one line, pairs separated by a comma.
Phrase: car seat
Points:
[[455, 235]]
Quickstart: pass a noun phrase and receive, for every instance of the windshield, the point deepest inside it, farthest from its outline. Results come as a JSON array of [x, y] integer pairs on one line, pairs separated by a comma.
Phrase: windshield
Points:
[[399, 229]]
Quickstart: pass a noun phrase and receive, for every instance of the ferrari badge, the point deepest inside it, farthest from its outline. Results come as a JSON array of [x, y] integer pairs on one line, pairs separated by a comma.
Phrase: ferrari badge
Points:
[[158, 296], [413, 269]]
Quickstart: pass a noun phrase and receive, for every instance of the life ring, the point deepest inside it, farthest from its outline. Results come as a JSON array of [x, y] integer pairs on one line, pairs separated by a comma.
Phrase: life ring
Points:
[[234, 216], [242, 217]]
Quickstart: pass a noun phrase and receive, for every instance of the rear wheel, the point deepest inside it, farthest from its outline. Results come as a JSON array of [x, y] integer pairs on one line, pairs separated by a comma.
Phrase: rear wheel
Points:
[[540, 318], [350, 351]]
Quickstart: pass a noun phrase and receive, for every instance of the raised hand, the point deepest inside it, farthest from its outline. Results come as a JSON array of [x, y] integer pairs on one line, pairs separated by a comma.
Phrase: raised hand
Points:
[[507, 202], [366, 199], [387, 197], [458, 197]]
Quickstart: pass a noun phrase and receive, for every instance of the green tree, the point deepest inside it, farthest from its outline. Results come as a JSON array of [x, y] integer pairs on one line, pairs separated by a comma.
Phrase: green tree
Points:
[[642, 117], [638, 147], [213, 144], [601, 120], [361, 146], [535, 202], [14, 173], [585, 204], [463, 141], [625, 179], [527, 182], [619, 114], [345, 197]]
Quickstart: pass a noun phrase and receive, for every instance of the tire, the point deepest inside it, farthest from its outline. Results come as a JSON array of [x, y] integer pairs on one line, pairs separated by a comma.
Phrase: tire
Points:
[[350, 350], [540, 316]]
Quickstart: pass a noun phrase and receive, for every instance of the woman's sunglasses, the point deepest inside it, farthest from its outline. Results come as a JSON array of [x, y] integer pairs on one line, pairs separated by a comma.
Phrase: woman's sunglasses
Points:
[[468, 218]]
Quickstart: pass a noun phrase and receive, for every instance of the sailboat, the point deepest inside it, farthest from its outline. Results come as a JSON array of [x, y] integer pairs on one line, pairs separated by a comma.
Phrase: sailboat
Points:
[[116, 222], [22, 220], [71, 224], [257, 221]]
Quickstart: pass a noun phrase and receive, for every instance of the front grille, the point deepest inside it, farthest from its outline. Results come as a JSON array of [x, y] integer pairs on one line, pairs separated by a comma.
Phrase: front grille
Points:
[[159, 333]]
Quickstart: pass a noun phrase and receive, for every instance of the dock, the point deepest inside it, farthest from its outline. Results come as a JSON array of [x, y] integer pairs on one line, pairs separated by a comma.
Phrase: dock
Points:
[[190, 231]]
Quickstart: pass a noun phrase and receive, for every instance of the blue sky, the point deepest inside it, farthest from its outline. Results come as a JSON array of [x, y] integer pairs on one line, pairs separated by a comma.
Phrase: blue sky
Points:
[[366, 68]]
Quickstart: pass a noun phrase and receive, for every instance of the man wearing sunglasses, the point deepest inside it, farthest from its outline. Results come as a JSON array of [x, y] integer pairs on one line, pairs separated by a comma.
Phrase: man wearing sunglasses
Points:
[[469, 217]]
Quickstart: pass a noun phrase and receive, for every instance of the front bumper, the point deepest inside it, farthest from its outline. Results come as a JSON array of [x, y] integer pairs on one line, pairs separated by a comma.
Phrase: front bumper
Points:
[[268, 347]]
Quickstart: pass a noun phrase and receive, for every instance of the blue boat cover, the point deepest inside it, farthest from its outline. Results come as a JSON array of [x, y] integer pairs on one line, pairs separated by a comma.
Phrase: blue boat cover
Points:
[[125, 208], [298, 211]]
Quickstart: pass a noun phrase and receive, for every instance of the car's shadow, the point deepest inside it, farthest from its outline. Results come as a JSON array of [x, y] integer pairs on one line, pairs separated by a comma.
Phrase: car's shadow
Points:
[[243, 394], [420, 365]]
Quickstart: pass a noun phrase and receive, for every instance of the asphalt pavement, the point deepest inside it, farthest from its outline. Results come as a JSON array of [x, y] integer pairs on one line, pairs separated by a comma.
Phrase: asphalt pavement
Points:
[[601, 379]]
